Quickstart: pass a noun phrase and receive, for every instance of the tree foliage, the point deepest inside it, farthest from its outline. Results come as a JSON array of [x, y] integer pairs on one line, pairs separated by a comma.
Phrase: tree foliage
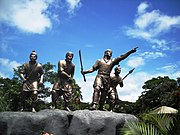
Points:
[[9, 94], [160, 91]]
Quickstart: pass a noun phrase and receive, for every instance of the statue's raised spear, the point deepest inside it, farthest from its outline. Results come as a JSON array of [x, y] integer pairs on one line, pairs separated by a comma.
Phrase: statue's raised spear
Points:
[[128, 73], [80, 58], [130, 70]]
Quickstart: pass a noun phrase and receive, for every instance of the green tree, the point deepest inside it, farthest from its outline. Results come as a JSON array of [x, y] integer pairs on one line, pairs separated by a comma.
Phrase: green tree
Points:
[[49, 73], [9, 94], [158, 92]]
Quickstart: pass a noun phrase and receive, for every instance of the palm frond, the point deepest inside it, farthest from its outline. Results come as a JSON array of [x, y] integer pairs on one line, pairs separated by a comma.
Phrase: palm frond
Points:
[[139, 128], [163, 122]]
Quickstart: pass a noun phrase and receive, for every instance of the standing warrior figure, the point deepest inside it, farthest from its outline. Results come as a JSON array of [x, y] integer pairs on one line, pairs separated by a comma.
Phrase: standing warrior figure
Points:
[[115, 79], [63, 86], [102, 80], [32, 75]]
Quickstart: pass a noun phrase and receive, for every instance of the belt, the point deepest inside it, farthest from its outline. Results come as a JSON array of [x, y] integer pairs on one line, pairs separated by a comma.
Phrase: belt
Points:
[[104, 73]]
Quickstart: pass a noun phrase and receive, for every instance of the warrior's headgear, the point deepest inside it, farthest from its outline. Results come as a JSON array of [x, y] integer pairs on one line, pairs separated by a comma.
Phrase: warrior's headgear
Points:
[[69, 53], [108, 50], [33, 53], [118, 68]]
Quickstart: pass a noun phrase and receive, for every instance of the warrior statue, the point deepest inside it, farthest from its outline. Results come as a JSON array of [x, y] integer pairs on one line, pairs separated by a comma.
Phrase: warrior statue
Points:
[[63, 85], [115, 79], [32, 75], [112, 94], [102, 80]]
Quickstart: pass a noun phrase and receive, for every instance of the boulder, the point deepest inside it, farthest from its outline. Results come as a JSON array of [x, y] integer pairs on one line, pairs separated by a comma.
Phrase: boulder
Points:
[[87, 122], [28, 123], [60, 122]]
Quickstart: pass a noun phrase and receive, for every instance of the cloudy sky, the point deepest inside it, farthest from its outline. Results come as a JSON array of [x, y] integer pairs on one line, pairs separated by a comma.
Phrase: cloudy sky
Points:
[[53, 27]]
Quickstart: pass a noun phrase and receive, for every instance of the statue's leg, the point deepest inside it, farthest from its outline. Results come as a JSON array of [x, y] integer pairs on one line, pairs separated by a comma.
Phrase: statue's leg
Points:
[[55, 95], [104, 92], [116, 100], [95, 99], [112, 97], [24, 96], [102, 99], [34, 99], [67, 95]]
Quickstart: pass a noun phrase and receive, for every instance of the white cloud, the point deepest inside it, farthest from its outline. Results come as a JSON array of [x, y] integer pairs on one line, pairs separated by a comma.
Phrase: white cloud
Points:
[[152, 55], [142, 7], [170, 68], [34, 16], [175, 46], [150, 25], [3, 75], [7, 66], [7, 49], [86, 87], [28, 16], [73, 4], [135, 62]]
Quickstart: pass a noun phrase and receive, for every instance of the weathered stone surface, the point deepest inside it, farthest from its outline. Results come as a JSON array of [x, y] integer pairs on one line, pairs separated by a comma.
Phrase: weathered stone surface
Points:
[[59, 122], [27, 123], [87, 122]]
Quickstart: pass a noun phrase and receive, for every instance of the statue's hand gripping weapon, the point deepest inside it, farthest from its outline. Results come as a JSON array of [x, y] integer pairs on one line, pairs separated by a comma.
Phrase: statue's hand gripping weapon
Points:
[[80, 58], [128, 73]]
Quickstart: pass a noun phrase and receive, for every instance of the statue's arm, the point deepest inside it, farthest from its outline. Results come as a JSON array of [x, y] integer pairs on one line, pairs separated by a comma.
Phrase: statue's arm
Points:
[[41, 78], [22, 77], [121, 84], [63, 73], [21, 73], [124, 56], [88, 71], [72, 74], [41, 72], [92, 69]]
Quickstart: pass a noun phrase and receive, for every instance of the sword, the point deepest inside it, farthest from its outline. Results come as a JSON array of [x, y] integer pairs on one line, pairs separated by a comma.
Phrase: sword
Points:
[[80, 58], [128, 73]]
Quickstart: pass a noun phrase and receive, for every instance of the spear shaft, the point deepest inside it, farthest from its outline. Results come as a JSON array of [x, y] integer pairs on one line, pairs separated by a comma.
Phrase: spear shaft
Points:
[[128, 73], [80, 58]]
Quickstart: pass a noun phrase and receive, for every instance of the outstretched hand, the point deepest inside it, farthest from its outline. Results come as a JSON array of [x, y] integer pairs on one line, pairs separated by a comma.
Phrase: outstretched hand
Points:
[[134, 49]]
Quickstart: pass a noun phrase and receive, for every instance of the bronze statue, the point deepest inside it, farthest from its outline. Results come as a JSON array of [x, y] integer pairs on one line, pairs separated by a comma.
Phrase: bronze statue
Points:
[[63, 85], [115, 79], [102, 80], [112, 94], [32, 75]]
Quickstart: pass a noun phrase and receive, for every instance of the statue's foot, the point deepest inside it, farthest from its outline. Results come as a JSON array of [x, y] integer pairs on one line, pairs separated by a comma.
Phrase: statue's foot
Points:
[[33, 110], [22, 109], [93, 107], [52, 107], [102, 109], [67, 109]]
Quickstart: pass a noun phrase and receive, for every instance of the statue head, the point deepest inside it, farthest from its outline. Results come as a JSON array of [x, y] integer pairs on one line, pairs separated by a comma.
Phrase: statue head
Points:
[[69, 56], [117, 70], [33, 56], [108, 53]]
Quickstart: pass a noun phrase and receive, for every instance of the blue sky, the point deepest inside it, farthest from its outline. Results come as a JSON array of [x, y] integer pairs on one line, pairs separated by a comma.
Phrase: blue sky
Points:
[[53, 27]]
